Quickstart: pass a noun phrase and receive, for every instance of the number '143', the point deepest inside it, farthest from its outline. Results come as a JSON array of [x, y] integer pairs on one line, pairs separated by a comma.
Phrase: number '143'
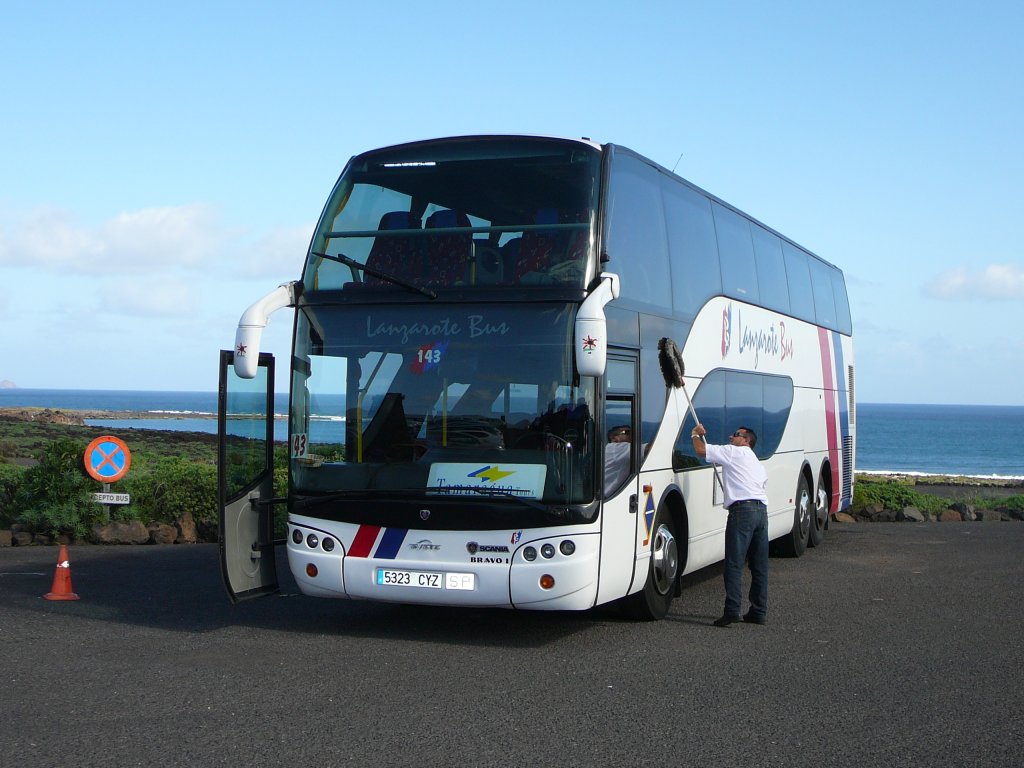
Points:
[[430, 356]]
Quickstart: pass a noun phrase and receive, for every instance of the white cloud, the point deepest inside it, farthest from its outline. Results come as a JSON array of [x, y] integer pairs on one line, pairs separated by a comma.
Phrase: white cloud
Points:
[[164, 296], [278, 254], [173, 239], [134, 241], [996, 281]]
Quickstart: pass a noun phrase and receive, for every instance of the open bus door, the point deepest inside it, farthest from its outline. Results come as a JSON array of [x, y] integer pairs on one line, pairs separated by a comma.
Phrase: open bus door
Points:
[[245, 478]]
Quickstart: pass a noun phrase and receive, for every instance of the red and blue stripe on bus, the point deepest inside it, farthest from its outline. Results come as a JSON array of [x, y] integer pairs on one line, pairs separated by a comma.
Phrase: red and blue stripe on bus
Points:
[[837, 425]]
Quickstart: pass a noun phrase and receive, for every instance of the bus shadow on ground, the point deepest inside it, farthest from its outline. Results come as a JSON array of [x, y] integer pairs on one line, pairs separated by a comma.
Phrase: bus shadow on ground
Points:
[[179, 589]]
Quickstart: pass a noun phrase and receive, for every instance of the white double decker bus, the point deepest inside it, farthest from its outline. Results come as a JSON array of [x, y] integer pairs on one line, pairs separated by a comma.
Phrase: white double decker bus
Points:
[[479, 414]]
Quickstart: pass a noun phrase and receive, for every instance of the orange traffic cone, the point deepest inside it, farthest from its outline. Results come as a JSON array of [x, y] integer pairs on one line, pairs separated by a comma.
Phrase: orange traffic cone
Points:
[[61, 589]]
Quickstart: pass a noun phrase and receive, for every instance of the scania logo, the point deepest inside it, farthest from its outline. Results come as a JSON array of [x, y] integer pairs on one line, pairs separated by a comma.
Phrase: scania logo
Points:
[[424, 514], [472, 547]]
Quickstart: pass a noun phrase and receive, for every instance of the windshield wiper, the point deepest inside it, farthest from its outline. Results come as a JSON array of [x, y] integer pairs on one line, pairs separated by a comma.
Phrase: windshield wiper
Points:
[[555, 512], [343, 259], [309, 501]]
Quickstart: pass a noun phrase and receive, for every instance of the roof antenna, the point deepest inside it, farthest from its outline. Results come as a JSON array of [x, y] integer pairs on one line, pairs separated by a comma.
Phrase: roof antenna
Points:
[[677, 162]]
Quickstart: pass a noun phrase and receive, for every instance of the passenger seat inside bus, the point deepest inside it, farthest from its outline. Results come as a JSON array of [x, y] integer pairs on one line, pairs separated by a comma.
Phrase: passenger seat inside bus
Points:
[[537, 246], [449, 253], [398, 255], [542, 252]]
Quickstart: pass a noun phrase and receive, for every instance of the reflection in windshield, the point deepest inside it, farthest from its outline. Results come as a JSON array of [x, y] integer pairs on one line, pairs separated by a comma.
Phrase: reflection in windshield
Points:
[[465, 213], [451, 401]]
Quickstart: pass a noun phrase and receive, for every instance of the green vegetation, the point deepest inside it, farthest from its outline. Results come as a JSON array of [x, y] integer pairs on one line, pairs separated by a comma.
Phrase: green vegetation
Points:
[[52, 497], [897, 493], [44, 487]]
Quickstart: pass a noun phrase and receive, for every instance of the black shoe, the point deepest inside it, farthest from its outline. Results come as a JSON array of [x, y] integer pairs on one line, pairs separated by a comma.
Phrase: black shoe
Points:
[[725, 621], [752, 619]]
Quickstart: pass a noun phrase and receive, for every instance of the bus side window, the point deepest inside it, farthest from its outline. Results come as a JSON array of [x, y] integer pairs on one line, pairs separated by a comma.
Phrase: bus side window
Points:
[[799, 278], [736, 251], [696, 276], [618, 451], [771, 269], [824, 299], [726, 400], [636, 236]]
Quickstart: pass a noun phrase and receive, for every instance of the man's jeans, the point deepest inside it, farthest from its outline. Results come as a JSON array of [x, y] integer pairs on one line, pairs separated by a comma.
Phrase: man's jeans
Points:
[[746, 539]]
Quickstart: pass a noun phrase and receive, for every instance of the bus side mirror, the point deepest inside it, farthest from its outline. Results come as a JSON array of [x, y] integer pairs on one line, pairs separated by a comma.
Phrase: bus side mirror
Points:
[[591, 332], [252, 323]]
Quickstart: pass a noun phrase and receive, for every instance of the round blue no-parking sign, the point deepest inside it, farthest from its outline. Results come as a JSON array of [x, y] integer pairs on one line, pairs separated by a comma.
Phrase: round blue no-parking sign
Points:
[[107, 459]]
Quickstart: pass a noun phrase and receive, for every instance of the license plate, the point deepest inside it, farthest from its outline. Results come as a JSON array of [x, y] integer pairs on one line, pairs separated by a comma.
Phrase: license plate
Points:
[[389, 577]]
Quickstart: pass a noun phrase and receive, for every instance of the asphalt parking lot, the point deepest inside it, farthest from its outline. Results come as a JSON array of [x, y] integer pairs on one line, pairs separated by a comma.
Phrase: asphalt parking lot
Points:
[[892, 645]]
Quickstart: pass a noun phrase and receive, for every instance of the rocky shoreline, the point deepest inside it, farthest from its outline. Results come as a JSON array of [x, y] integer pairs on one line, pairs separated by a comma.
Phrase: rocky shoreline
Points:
[[77, 418]]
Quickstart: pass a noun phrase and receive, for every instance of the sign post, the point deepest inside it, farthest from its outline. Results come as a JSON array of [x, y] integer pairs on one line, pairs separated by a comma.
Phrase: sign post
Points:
[[107, 459]]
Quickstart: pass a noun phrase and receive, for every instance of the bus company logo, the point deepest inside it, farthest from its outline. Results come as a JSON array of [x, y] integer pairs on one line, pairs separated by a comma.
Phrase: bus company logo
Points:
[[424, 514], [589, 345], [516, 536], [490, 473], [769, 341], [425, 545], [726, 330], [473, 548]]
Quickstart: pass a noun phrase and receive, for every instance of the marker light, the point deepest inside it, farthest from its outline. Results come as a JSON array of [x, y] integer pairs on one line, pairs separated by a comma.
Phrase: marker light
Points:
[[547, 581], [547, 551], [311, 570], [530, 554], [297, 536], [567, 547], [312, 541]]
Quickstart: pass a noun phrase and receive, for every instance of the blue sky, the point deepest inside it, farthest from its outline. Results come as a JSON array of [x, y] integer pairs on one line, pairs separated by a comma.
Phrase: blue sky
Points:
[[161, 167]]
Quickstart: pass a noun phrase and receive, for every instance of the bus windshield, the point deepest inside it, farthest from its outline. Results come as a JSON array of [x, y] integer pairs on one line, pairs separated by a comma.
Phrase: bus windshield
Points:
[[467, 212], [432, 401]]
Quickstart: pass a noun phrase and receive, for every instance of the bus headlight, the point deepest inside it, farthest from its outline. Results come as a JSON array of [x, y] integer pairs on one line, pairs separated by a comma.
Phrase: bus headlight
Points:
[[567, 547], [312, 540], [547, 551], [529, 554], [297, 536]]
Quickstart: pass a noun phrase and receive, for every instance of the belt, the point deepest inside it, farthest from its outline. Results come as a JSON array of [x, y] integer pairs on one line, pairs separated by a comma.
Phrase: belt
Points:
[[736, 504]]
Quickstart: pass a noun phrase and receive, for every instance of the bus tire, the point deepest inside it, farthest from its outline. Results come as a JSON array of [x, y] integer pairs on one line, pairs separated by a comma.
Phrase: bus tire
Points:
[[794, 543], [653, 601], [819, 520]]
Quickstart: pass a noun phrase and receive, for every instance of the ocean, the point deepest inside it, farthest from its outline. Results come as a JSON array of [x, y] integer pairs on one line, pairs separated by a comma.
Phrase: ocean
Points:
[[974, 440]]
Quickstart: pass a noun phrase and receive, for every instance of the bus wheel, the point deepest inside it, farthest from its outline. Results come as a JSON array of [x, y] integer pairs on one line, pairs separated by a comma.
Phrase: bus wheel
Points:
[[653, 601], [794, 543], [819, 519]]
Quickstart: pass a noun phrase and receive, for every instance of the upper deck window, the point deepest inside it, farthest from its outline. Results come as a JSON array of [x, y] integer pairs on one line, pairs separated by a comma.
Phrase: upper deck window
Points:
[[636, 240], [460, 213]]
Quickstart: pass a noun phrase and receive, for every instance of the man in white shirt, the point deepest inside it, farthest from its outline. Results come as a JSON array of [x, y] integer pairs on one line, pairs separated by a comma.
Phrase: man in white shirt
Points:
[[746, 532], [616, 457]]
